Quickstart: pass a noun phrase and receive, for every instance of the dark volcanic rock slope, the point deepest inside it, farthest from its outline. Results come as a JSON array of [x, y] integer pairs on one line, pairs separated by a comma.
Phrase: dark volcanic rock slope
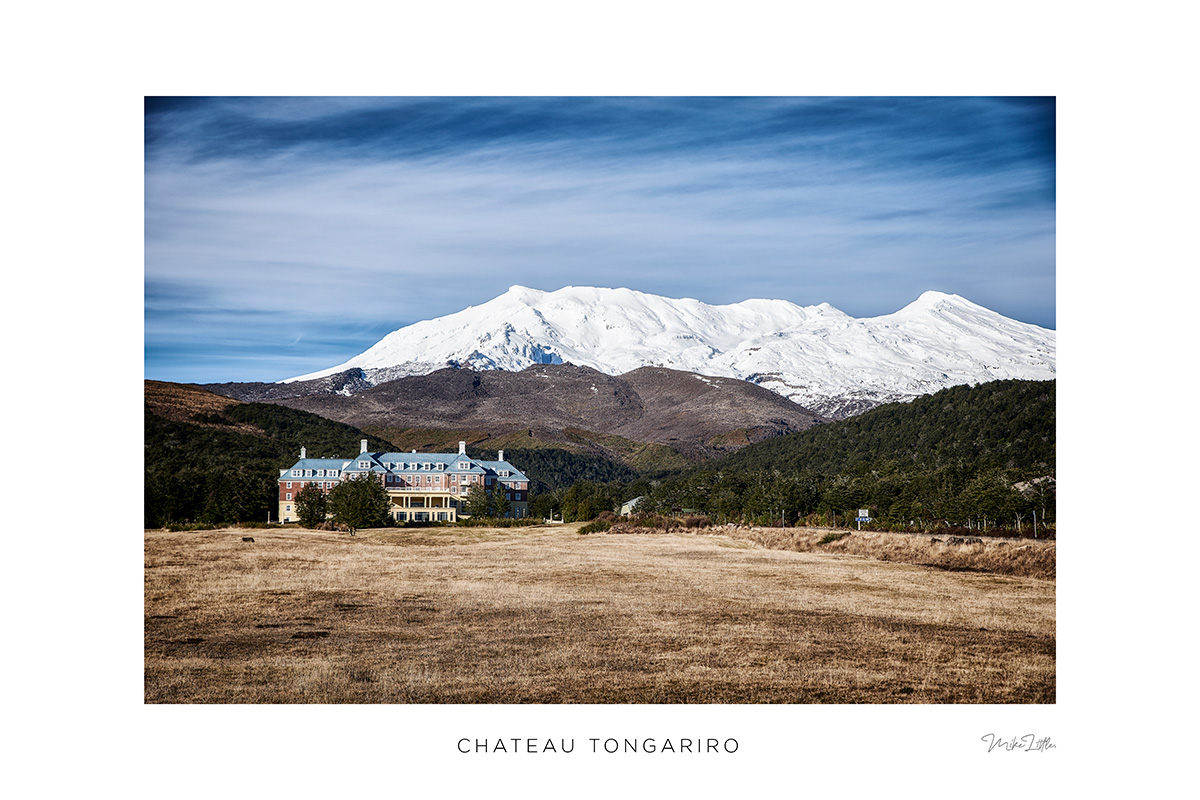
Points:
[[683, 406], [696, 415]]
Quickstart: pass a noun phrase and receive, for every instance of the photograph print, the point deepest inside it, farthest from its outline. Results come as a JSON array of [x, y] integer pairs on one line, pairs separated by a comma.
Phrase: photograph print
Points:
[[600, 400]]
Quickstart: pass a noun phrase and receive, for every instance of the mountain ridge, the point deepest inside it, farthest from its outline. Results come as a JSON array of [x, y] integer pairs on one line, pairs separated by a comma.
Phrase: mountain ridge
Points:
[[817, 356]]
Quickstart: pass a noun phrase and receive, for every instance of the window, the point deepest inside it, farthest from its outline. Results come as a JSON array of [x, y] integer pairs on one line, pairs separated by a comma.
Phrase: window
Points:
[[463, 465], [289, 496], [289, 484], [296, 473], [320, 473], [333, 473], [288, 508], [364, 465]]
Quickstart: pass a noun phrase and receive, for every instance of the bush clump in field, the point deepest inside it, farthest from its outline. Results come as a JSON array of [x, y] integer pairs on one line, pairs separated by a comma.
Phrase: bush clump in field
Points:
[[496, 522], [648, 521], [596, 526], [832, 537], [645, 523]]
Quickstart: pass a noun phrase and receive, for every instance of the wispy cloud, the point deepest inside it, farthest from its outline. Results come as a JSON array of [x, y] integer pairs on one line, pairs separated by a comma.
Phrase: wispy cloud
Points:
[[362, 214]]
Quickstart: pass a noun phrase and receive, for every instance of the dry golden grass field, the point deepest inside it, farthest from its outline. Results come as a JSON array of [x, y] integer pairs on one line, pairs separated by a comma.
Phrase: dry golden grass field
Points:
[[545, 615]]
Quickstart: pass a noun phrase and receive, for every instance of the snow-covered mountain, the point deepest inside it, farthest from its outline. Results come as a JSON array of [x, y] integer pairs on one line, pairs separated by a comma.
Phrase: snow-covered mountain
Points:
[[817, 356]]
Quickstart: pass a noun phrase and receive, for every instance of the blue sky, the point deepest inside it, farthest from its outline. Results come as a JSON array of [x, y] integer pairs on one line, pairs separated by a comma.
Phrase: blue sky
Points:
[[284, 235]]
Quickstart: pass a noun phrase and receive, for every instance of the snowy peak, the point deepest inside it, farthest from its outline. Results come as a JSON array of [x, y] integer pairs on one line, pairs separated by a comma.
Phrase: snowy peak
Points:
[[817, 355], [940, 304]]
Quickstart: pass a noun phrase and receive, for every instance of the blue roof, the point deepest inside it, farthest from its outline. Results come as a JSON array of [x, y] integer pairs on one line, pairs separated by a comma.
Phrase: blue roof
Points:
[[315, 464], [497, 466], [381, 462]]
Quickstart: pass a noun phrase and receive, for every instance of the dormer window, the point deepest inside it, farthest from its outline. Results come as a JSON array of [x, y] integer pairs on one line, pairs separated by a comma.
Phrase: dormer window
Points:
[[364, 465]]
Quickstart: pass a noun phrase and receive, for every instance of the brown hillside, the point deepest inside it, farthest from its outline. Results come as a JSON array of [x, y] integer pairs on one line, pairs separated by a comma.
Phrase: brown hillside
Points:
[[696, 416], [182, 403], [718, 414]]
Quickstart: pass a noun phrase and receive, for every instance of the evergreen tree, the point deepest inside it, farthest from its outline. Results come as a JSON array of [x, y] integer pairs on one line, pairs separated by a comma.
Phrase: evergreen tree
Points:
[[477, 501], [501, 505], [311, 505], [359, 502], [543, 505]]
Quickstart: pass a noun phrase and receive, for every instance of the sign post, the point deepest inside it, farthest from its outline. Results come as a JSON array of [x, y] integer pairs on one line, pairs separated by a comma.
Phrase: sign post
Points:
[[864, 515]]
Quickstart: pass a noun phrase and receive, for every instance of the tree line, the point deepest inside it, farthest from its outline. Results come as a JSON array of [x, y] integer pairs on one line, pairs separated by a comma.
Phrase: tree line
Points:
[[969, 455], [895, 497]]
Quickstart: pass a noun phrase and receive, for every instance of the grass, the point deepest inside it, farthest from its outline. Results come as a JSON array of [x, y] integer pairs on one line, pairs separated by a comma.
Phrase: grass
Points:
[[1017, 557], [544, 615]]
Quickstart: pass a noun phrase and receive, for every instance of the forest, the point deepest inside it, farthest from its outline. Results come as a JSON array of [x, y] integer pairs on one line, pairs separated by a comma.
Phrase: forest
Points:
[[969, 456]]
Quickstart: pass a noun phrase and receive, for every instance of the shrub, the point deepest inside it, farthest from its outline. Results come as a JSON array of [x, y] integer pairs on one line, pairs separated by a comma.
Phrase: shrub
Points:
[[596, 526], [653, 521], [497, 522]]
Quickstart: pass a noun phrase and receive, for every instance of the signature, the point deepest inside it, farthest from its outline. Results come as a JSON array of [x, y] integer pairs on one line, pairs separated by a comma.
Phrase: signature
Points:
[[1029, 743]]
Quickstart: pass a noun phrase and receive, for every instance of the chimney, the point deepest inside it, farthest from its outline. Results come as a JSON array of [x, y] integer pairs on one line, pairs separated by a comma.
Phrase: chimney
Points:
[[501, 456], [462, 448], [302, 456], [363, 444]]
